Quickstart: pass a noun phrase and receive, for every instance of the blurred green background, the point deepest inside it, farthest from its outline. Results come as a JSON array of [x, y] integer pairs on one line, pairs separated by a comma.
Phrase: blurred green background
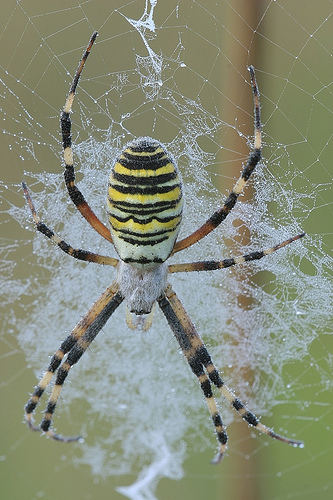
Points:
[[290, 44]]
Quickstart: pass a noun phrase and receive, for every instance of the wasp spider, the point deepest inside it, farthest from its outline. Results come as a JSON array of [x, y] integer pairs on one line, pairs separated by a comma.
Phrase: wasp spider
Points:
[[144, 204]]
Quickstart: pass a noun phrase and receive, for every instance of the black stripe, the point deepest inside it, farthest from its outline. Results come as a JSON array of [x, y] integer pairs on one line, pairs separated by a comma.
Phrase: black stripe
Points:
[[30, 406], [144, 162], [152, 179], [144, 260], [45, 424], [62, 374], [217, 420], [66, 130], [147, 234], [139, 208], [215, 378], [252, 162], [142, 211], [55, 362], [250, 418], [40, 226], [144, 145], [207, 389], [152, 190], [203, 355], [147, 220], [133, 241], [254, 255], [38, 391], [222, 437], [221, 214], [50, 408], [237, 404]]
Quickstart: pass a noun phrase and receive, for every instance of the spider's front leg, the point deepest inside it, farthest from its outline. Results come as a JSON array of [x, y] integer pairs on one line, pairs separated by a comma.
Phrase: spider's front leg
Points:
[[66, 132], [253, 160]]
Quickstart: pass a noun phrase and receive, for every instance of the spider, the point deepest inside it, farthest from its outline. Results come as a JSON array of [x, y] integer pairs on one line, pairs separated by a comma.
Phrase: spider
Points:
[[144, 205]]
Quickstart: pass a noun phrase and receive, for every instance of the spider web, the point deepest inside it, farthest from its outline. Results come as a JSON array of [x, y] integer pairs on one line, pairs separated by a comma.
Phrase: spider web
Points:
[[175, 71]]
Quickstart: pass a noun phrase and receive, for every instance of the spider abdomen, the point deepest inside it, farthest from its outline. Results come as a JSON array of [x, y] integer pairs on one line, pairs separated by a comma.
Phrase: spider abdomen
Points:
[[144, 203]]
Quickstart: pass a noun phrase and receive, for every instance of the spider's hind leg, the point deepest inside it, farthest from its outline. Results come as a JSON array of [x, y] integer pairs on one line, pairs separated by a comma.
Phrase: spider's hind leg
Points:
[[198, 359], [75, 345], [55, 362]]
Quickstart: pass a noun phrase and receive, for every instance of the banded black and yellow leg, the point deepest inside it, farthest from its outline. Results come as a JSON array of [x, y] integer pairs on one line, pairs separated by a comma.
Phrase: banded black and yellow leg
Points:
[[66, 125], [200, 355], [56, 360], [65, 247], [75, 345], [253, 160], [251, 419], [197, 357], [211, 265]]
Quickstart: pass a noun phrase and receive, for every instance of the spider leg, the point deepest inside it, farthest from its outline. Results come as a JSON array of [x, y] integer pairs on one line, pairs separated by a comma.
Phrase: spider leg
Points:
[[198, 357], [66, 126], [253, 160], [75, 345], [210, 265], [57, 240]]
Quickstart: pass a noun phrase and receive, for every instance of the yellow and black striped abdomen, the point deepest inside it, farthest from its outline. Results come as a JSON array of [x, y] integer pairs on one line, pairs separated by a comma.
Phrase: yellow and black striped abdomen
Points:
[[144, 203]]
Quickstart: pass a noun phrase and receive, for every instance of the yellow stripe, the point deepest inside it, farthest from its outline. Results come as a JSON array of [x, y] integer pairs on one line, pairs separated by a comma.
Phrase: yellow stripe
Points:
[[68, 156], [166, 169], [151, 227], [142, 199]]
